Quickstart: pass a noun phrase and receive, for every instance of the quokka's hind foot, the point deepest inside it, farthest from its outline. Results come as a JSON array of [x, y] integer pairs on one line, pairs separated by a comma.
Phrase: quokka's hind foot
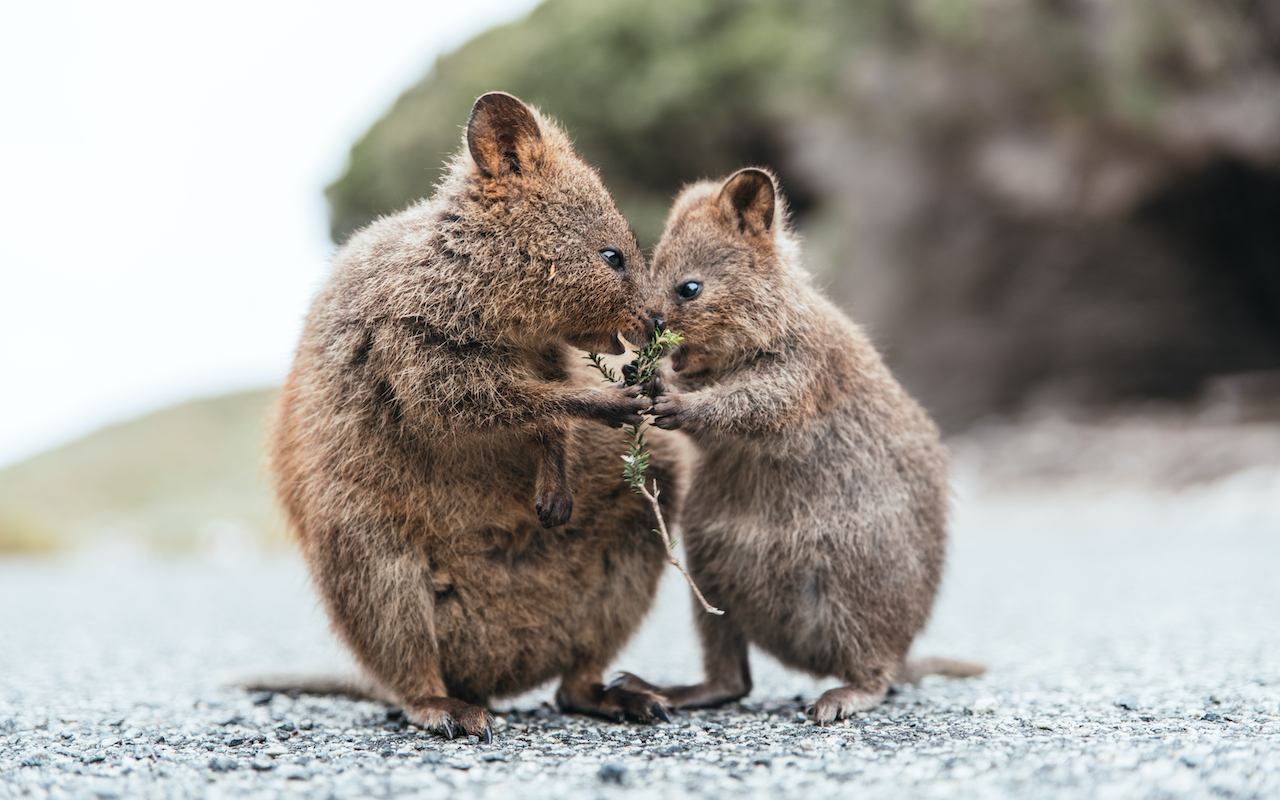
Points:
[[916, 668], [450, 717], [613, 702], [699, 695], [841, 702]]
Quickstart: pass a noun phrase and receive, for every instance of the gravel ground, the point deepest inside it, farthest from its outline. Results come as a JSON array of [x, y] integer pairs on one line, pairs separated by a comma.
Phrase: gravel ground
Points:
[[1130, 632]]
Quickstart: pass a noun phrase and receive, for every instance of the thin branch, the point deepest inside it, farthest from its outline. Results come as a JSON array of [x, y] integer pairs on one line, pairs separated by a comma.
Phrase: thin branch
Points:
[[640, 370], [671, 554]]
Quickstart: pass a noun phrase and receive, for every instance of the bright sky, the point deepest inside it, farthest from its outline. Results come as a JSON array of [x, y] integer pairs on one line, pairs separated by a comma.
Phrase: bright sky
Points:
[[162, 222]]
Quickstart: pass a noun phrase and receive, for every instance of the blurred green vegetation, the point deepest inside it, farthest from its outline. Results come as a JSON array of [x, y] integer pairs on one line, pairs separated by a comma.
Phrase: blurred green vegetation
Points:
[[661, 93], [655, 94], [169, 481]]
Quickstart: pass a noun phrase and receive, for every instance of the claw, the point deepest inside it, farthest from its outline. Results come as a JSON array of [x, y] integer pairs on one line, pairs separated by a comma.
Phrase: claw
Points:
[[660, 711], [554, 510], [487, 733], [616, 682], [446, 727]]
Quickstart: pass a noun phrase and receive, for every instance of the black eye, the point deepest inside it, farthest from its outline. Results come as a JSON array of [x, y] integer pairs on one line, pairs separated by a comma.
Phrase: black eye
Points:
[[613, 258], [689, 290]]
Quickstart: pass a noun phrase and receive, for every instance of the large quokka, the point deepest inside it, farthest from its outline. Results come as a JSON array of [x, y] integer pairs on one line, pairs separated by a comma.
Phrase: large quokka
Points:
[[817, 514], [434, 432]]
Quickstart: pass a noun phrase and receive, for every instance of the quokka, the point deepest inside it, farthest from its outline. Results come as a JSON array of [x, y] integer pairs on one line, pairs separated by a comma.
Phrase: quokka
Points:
[[817, 510], [443, 453]]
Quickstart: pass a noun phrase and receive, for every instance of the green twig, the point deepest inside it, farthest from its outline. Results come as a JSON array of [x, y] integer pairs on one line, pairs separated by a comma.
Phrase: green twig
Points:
[[609, 375], [640, 371]]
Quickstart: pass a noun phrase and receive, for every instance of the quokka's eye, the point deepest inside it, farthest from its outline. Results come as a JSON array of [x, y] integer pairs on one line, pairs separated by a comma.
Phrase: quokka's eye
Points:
[[689, 290], [613, 258]]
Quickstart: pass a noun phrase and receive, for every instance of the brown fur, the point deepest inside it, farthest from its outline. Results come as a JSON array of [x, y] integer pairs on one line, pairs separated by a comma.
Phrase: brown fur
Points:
[[436, 420], [817, 515]]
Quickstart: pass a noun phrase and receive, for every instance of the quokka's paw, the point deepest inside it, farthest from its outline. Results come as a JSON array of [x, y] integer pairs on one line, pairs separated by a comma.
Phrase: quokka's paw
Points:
[[670, 412], [622, 406], [451, 718], [554, 506], [655, 387], [699, 695], [632, 683], [614, 702], [650, 702], [641, 704], [842, 702]]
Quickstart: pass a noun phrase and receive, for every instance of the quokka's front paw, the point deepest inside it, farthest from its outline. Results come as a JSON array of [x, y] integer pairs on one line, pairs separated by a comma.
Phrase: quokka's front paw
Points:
[[451, 718], [554, 506], [669, 412], [621, 406]]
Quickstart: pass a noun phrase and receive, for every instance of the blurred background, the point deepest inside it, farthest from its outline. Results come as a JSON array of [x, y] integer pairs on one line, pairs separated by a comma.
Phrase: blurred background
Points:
[[1059, 219]]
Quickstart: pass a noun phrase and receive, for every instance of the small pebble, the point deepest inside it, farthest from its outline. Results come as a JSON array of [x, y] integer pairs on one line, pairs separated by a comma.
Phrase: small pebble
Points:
[[985, 705], [223, 763]]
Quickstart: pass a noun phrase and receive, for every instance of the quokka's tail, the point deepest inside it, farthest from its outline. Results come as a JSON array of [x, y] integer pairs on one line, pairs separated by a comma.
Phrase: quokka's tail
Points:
[[352, 686], [913, 669]]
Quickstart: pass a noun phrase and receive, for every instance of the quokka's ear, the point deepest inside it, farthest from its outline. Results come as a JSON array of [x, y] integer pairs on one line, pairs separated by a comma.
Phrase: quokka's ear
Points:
[[502, 135], [747, 200]]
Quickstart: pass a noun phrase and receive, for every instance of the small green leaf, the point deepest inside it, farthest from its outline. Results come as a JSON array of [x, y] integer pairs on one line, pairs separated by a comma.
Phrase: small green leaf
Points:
[[598, 360]]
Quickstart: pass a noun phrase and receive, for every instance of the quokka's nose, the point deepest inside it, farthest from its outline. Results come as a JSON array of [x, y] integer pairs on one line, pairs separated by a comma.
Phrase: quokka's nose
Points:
[[659, 323]]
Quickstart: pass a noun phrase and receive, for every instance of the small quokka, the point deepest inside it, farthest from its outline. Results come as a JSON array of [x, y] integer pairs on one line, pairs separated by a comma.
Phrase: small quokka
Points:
[[817, 513], [443, 453]]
